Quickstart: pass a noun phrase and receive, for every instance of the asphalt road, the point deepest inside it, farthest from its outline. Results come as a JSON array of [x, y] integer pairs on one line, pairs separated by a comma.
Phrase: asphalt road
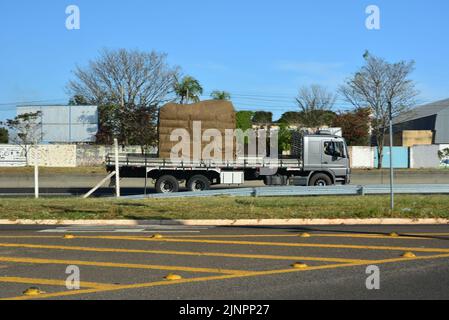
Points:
[[78, 184], [225, 263]]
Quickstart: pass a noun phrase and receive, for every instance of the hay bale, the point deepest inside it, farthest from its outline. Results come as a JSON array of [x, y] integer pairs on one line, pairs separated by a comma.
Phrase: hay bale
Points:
[[212, 114]]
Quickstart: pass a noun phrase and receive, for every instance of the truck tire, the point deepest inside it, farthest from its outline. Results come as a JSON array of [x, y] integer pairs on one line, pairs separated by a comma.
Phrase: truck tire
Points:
[[167, 184], [320, 180], [198, 183]]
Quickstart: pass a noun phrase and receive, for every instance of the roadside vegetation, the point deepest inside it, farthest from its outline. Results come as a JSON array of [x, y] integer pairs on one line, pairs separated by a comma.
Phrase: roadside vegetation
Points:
[[226, 208]]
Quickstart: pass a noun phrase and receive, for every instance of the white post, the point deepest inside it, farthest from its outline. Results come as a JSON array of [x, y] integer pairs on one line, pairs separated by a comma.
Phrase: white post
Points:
[[117, 170], [36, 174]]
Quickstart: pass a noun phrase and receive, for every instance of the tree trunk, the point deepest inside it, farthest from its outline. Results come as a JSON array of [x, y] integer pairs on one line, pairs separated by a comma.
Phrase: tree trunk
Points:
[[380, 150]]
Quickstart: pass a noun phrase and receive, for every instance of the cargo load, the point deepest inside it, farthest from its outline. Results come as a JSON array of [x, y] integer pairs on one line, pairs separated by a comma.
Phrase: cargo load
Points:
[[212, 114]]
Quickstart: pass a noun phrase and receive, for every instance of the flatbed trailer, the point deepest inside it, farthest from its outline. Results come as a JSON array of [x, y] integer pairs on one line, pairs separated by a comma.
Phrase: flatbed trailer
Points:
[[323, 160]]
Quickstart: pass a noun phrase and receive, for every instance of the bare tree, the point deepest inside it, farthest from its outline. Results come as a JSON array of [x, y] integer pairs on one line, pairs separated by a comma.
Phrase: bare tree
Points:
[[123, 83], [380, 85], [27, 131], [123, 77], [315, 103]]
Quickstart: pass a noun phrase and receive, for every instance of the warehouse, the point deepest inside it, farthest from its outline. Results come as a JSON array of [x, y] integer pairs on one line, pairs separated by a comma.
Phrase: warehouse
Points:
[[65, 124], [423, 125]]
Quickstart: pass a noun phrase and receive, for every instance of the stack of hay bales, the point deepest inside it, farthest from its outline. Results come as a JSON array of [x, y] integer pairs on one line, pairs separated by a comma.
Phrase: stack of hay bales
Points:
[[212, 114]]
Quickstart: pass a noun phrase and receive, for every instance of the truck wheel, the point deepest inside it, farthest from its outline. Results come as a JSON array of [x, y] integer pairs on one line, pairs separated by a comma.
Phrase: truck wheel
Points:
[[167, 184], [198, 183], [320, 180]]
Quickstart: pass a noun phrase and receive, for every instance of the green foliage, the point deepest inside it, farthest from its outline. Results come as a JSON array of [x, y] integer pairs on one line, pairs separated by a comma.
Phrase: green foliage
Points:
[[262, 117], [27, 127], [78, 100], [291, 118], [220, 95], [244, 120], [131, 125], [284, 137], [188, 89], [317, 118], [4, 135]]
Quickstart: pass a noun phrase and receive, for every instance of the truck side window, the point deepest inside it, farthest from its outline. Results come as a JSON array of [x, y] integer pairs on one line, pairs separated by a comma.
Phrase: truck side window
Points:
[[329, 148]]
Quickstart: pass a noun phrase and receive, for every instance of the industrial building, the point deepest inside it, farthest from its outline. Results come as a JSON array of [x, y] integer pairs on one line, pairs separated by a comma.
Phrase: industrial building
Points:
[[423, 125], [65, 124]]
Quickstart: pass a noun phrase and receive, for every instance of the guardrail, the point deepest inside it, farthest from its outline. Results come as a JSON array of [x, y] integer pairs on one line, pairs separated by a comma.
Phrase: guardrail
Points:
[[291, 191]]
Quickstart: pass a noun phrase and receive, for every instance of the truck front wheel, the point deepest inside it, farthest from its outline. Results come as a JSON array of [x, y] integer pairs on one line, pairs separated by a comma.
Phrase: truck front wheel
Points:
[[167, 184], [320, 180], [198, 183]]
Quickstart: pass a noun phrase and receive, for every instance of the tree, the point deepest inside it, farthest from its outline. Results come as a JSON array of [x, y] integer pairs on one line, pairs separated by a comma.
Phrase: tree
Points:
[[220, 95], [355, 126], [244, 120], [188, 89], [119, 81], [315, 103], [78, 100], [143, 131], [291, 118], [124, 77], [27, 130], [284, 137], [4, 135], [263, 118], [381, 86], [108, 124]]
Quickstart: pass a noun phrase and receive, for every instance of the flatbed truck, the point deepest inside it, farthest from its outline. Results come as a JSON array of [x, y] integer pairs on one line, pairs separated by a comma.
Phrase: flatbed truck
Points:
[[319, 159]]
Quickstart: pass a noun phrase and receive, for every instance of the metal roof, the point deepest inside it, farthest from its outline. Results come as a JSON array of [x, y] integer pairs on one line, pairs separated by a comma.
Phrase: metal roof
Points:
[[423, 111]]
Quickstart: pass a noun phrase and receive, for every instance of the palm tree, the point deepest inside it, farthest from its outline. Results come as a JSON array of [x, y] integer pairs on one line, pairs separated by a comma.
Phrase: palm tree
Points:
[[220, 95], [188, 89]]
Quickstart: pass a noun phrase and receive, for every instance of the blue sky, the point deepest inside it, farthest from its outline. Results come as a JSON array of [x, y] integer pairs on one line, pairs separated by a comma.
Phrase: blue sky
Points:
[[260, 51]]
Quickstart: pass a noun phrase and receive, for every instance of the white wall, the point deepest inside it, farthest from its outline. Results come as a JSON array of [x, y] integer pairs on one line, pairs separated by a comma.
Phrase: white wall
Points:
[[424, 156], [362, 157]]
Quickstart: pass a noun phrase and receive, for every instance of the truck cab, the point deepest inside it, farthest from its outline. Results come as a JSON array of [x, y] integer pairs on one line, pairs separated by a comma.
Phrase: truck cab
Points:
[[326, 154]]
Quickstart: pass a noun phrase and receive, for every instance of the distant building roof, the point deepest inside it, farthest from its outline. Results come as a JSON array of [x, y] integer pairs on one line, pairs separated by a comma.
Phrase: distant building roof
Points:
[[423, 111]]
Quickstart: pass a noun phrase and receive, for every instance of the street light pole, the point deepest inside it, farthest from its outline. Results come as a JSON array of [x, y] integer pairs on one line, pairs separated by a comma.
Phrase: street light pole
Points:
[[390, 111]]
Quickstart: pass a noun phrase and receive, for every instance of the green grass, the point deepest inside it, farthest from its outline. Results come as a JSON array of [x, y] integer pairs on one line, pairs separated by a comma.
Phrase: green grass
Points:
[[226, 208]]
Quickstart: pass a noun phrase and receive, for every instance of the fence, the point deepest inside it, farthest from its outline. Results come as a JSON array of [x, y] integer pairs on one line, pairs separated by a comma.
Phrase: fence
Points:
[[67, 155]]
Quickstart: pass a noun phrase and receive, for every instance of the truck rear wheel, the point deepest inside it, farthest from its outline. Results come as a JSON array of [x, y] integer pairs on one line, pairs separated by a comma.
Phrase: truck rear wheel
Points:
[[167, 184], [198, 183], [320, 180]]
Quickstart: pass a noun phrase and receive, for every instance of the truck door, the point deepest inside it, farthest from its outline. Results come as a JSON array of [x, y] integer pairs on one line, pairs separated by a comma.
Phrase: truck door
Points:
[[334, 157]]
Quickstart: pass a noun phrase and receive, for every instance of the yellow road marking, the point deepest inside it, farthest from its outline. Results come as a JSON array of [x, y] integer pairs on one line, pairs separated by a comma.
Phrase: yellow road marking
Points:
[[275, 244], [119, 265], [50, 282], [183, 253], [313, 235], [224, 277]]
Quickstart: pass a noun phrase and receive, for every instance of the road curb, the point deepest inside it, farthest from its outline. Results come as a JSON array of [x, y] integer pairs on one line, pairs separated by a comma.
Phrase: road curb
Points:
[[244, 222]]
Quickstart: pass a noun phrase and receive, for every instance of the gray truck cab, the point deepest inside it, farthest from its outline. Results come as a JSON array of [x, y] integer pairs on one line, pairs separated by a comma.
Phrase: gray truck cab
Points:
[[326, 153]]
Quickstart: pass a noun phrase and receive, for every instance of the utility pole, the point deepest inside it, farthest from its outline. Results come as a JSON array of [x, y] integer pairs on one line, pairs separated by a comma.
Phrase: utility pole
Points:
[[36, 174], [117, 169], [390, 111]]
